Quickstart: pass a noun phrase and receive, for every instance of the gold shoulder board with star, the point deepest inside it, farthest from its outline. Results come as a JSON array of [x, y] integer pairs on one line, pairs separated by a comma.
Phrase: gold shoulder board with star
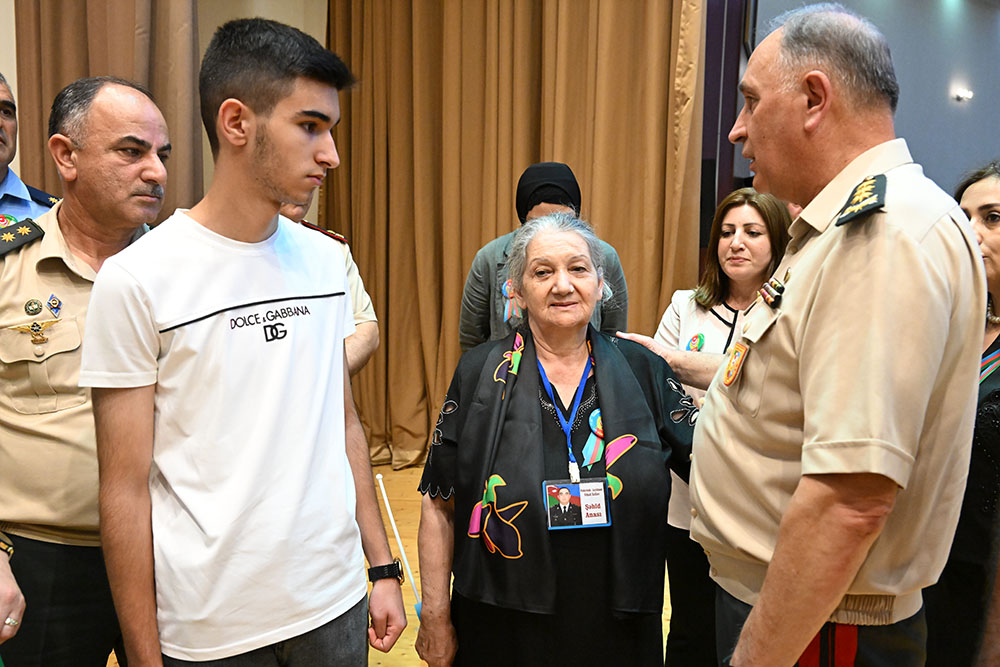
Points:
[[868, 196], [19, 234]]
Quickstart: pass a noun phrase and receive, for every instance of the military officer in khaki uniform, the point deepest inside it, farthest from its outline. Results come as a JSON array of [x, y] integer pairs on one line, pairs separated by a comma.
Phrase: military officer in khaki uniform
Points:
[[109, 142], [361, 345], [831, 453]]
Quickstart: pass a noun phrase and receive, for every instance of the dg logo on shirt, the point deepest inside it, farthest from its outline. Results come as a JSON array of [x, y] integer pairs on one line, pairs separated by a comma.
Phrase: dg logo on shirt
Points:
[[274, 331]]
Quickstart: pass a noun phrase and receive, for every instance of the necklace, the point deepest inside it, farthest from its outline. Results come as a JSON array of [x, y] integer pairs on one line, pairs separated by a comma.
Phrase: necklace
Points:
[[990, 317]]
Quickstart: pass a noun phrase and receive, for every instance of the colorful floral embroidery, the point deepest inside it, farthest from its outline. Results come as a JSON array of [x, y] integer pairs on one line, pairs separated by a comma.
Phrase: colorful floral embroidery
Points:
[[615, 450], [496, 525], [615, 484], [511, 360]]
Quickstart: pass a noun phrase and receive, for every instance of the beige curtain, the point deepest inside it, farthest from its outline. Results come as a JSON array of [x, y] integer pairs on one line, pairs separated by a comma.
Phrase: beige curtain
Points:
[[153, 42], [455, 99]]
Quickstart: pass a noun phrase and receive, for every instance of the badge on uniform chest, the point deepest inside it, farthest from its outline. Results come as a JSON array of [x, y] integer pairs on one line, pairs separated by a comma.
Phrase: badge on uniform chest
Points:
[[737, 354], [576, 504]]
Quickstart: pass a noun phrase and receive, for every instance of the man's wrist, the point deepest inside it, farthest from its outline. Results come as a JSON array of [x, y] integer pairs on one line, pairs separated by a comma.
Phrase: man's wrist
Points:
[[6, 546], [393, 570], [389, 580]]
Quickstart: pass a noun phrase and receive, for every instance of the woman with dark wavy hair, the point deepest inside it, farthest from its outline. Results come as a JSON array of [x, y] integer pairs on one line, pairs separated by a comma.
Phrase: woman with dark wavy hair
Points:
[[748, 238]]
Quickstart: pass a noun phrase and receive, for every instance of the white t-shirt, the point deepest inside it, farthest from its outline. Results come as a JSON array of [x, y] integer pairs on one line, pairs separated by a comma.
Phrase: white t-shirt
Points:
[[682, 323], [253, 504]]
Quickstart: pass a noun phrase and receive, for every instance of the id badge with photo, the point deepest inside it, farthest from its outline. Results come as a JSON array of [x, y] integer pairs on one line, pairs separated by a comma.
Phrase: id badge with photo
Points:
[[582, 504]]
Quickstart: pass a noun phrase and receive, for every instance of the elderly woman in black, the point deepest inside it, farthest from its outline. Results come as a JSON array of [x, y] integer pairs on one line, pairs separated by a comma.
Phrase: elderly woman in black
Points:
[[556, 406]]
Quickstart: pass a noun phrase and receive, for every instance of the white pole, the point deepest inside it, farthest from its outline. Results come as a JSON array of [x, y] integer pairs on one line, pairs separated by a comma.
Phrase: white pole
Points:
[[399, 543]]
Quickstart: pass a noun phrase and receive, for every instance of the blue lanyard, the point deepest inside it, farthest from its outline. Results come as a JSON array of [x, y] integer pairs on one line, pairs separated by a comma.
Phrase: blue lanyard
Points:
[[567, 424]]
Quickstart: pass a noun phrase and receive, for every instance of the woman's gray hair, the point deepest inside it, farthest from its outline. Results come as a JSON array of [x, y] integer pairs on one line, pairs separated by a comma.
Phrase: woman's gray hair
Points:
[[849, 47], [517, 257]]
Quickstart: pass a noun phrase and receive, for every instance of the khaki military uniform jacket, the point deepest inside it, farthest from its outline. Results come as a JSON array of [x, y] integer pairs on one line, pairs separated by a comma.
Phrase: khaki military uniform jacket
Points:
[[48, 458], [361, 303], [867, 364]]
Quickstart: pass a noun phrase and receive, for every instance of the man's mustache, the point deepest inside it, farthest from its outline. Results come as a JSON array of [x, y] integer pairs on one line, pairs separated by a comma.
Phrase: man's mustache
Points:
[[153, 191]]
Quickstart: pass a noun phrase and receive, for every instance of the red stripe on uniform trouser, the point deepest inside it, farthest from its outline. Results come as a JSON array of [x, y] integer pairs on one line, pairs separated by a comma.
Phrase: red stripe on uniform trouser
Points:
[[810, 657], [835, 645], [845, 645]]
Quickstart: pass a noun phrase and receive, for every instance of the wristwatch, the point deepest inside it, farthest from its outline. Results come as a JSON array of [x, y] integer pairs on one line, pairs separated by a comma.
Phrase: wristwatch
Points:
[[391, 571], [7, 547]]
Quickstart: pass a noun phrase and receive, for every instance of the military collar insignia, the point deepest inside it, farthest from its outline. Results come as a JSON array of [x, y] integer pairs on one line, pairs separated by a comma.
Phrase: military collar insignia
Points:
[[16, 235], [868, 196], [42, 197]]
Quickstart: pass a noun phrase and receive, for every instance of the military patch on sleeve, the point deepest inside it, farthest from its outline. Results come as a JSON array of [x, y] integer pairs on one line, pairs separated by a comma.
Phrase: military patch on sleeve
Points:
[[329, 232], [868, 196], [19, 234]]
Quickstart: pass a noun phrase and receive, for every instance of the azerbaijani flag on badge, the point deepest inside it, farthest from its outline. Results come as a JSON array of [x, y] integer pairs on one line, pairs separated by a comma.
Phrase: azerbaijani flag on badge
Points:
[[988, 365], [552, 496]]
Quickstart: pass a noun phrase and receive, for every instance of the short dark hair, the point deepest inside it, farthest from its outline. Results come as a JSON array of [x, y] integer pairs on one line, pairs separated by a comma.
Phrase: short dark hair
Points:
[[849, 45], [989, 170], [714, 285], [257, 62], [72, 103]]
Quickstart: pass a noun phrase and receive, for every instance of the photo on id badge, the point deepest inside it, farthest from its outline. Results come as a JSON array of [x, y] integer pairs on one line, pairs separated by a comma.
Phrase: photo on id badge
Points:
[[576, 505]]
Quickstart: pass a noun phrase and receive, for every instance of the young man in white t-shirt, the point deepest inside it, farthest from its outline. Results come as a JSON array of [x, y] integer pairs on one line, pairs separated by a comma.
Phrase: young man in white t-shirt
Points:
[[236, 493]]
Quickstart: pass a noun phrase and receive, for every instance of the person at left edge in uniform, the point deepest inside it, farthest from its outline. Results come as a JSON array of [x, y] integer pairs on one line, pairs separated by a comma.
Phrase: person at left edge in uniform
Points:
[[565, 513], [109, 142], [17, 201]]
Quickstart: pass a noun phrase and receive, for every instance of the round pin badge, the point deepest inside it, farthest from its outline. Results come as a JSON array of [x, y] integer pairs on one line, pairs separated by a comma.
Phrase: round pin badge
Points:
[[7, 220], [596, 423], [33, 307], [696, 343]]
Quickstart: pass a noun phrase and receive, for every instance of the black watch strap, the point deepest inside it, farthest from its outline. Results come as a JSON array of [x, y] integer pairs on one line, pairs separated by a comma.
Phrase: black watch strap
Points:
[[6, 546], [391, 571]]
